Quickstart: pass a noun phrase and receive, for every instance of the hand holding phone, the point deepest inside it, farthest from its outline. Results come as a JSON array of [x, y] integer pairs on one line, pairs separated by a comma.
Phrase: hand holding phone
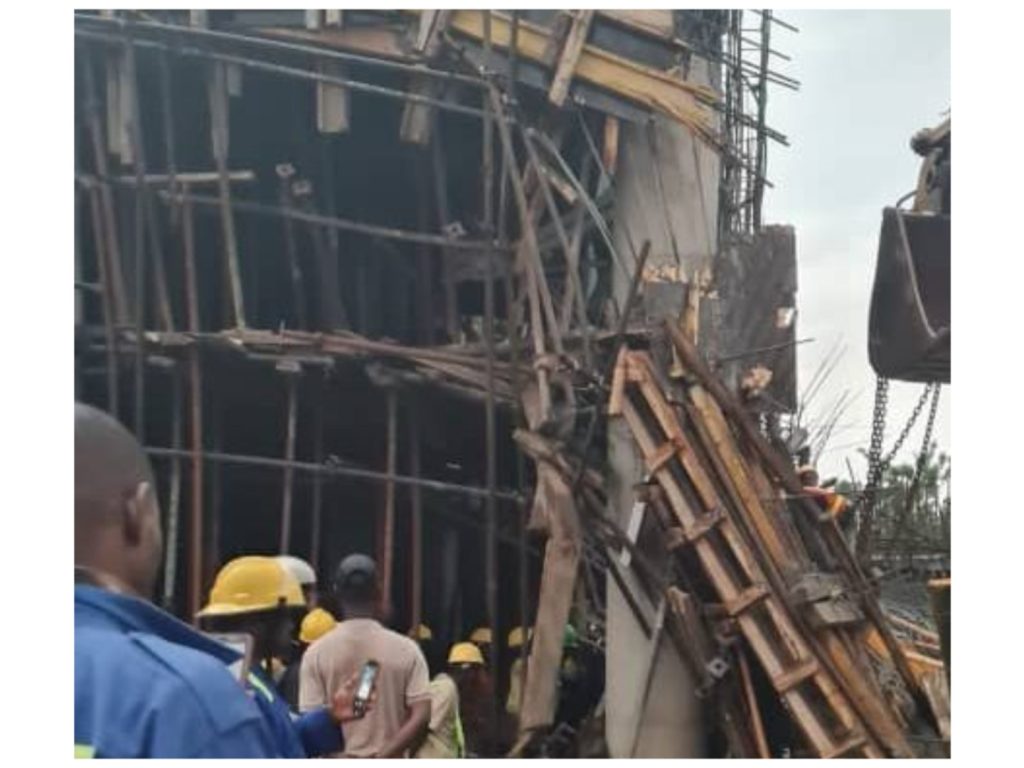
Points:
[[367, 683], [343, 705]]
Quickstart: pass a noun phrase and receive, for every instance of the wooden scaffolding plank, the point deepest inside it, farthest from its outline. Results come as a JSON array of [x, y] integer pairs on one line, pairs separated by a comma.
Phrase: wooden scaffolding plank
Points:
[[844, 748], [737, 480], [880, 720], [618, 384], [751, 596], [869, 701], [418, 118], [687, 519], [806, 717], [711, 559], [849, 676], [663, 455], [669, 423], [703, 527], [571, 51], [783, 653], [790, 679], [786, 476], [661, 91]]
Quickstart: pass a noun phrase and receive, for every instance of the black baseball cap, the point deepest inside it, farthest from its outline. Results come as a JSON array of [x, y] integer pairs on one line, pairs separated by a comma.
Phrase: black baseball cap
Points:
[[355, 571]]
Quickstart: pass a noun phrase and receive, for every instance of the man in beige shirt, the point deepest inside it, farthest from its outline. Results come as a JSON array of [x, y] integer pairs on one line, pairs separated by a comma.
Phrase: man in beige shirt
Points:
[[399, 720]]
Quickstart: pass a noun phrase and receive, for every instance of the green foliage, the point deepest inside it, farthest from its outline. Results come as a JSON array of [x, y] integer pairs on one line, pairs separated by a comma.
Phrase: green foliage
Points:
[[924, 526]]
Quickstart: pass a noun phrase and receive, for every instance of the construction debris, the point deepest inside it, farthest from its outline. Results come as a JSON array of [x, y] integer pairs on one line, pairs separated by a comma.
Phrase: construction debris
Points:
[[443, 301]]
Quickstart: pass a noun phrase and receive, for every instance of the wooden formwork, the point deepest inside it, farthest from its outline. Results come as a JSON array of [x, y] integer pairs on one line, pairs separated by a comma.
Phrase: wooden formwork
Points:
[[752, 558]]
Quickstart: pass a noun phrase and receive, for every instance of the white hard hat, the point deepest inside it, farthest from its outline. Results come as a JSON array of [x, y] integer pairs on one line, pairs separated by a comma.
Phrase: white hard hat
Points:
[[299, 568]]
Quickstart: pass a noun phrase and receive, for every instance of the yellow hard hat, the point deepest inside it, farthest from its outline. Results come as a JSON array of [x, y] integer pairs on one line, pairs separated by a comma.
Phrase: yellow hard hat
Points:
[[249, 584], [465, 653], [481, 636], [421, 632], [517, 636], [315, 625]]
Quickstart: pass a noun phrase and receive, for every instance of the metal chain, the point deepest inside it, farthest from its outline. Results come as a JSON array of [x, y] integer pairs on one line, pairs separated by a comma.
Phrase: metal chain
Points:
[[865, 515], [930, 425], [928, 389], [876, 463], [915, 482], [877, 434], [925, 443]]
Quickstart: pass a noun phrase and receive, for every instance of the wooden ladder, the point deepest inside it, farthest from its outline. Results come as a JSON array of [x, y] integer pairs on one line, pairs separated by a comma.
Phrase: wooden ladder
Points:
[[802, 681]]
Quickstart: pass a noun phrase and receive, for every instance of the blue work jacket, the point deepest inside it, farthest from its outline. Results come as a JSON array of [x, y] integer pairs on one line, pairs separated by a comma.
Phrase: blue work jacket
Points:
[[148, 685]]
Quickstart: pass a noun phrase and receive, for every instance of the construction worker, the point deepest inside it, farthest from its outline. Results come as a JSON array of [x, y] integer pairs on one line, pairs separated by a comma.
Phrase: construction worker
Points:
[[517, 637], [573, 699], [315, 625], [833, 504], [286, 668], [424, 638], [147, 685], [400, 720], [444, 738], [259, 597], [467, 667], [481, 637], [305, 575]]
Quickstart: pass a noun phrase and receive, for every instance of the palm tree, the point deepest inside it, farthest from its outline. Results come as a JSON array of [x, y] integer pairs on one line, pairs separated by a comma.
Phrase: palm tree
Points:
[[912, 507]]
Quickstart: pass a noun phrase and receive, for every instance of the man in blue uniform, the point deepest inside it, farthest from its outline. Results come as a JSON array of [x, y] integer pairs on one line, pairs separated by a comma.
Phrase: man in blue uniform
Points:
[[147, 685]]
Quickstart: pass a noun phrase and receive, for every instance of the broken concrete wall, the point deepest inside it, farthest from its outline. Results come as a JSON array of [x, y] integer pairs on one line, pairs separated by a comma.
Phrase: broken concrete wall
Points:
[[757, 280], [670, 724]]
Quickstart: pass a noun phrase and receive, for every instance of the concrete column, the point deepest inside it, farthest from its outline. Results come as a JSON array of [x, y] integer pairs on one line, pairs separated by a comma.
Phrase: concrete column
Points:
[[682, 226]]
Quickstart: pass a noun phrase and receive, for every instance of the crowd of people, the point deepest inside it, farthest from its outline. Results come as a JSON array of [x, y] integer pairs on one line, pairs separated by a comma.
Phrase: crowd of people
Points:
[[273, 669]]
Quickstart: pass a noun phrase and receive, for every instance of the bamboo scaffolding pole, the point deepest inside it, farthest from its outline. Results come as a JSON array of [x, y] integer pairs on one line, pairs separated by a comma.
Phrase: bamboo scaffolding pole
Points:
[[388, 544], [417, 517], [490, 437], [139, 235], [336, 470], [372, 230], [289, 457], [318, 483], [220, 130]]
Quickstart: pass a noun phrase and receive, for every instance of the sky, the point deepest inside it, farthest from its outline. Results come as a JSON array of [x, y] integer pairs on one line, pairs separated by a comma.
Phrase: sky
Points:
[[869, 80]]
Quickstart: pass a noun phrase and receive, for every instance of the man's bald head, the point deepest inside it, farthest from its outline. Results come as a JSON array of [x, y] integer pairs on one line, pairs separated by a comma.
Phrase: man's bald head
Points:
[[117, 520]]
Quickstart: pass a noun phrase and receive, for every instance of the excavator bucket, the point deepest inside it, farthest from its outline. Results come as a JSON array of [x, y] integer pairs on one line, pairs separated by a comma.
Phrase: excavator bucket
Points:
[[908, 331]]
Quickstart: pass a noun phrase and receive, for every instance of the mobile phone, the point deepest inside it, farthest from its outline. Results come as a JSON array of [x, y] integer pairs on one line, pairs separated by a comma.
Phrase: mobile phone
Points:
[[367, 679]]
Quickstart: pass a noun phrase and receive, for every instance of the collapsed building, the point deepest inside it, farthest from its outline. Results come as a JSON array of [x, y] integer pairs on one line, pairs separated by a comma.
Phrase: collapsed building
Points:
[[489, 296]]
